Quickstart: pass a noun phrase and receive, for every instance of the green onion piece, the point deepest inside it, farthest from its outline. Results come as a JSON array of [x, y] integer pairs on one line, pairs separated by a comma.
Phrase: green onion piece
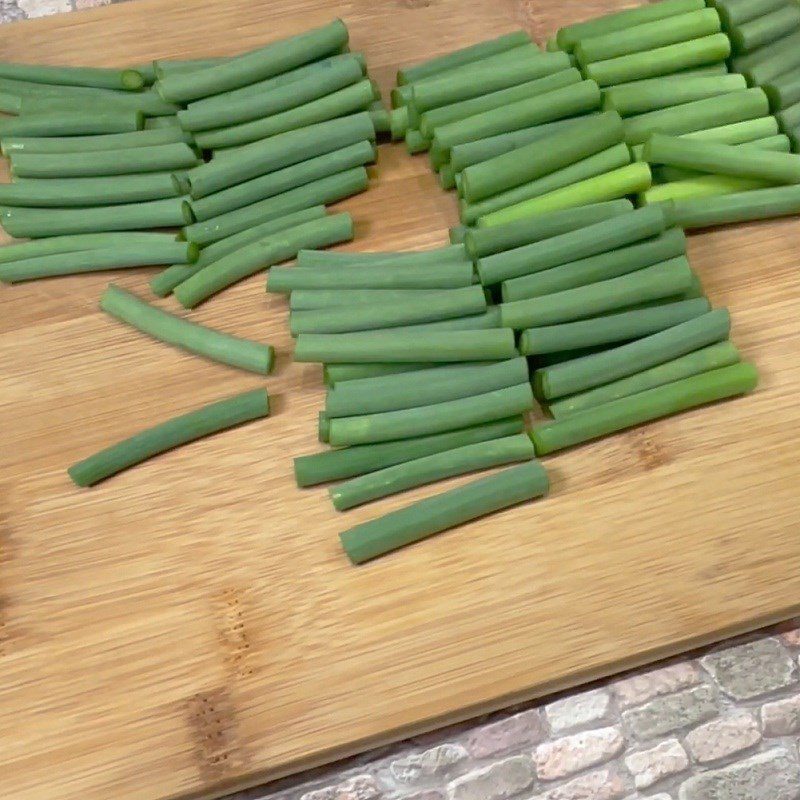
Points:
[[661, 61], [54, 193], [474, 322], [168, 66], [126, 79], [32, 223], [305, 299], [282, 180], [600, 237], [74, 244], [457, 234], [541, 157], [429, 469], [774, 60], [436, 418], [722, 159], [569, 36], [351, 461], [451, 254], [648, 405], [163, 283], [601, 267], [482, 242], [173, 433], [610, 328], [762, 31], [715, 356], [256, 65], [381, 117], [135, 254], [706, 212], [641, 97], [416, 276], [202, 116], [783, 91], [599, 164], [350, 319], [72, 123], [279, 151], [81, 144], [789, 118], [166, 327], [160, 123], [466, 55], [618, 183], [627, 359], [333, 374], [319, 192], [482, 79], [694, 116], [735, 12], [469, 153], [447, 178], [434, 514], [655, 282], [547, 107], [398, 123], [415, 142], [148, 103], [648, 36], [252, 258], [323, 427], [422, 387], [492, 344], [430, 121], [356, 97]]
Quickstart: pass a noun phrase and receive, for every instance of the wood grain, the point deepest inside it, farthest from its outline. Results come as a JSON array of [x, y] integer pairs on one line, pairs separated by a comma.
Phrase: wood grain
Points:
[[191, 625]]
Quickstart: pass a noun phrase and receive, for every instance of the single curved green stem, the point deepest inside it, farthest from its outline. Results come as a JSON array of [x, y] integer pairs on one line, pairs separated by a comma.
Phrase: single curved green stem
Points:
[[126, 79], [422, 387], [440, 512], [473, 322], [430, 469], [148, 103], [356, 97], [39, 222], [449, 254], [256, 65], [283, 150], [437, 418], [610, 328], [203, 116], [168, 435], [715, 356], [72, 123], [648, 405], [154, 158], [656, 282], [601, 267], [72, 244], [417, 276], [261, 254], [492, 344], [627, 359], [163, 283], [465, 55], [283, 180], [600, 237], [481, 242], [82, 144], [83, 192], [135, 254], [166, 327], [305, 299], [333, 374], [319, 192]]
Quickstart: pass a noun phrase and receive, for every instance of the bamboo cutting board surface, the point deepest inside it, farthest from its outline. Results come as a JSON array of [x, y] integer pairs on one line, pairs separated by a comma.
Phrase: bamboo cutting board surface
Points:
[[192, 625]]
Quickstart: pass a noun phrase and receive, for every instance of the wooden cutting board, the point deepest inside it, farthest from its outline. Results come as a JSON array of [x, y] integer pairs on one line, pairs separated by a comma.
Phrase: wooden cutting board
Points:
[[192, 625]]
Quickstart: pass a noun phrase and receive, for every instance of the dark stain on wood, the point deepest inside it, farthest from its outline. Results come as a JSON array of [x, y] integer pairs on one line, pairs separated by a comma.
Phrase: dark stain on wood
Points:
[[229, 608], [211, 718], [650, 452]]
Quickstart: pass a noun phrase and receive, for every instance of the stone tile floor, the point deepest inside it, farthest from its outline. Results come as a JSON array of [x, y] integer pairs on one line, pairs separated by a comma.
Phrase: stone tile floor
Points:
[[723, 724]]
